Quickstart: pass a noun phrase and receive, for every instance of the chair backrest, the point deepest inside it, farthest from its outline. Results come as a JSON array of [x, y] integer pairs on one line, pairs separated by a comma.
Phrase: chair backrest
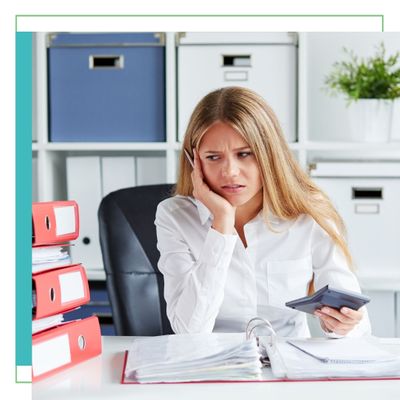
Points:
[[129, 246]]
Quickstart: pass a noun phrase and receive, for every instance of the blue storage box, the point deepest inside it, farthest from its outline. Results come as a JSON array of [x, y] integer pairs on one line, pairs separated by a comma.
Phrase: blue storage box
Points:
[[106, 87]]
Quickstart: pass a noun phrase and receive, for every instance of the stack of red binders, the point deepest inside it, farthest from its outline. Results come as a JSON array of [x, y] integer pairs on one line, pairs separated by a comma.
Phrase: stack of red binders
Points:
[[58, 287]]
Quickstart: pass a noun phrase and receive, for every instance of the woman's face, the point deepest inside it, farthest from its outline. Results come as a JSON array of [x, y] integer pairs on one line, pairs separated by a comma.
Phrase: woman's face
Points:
[[229, 166]]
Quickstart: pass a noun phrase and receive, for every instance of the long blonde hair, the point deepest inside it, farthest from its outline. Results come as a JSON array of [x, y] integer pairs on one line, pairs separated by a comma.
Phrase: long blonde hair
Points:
[[288, 191]]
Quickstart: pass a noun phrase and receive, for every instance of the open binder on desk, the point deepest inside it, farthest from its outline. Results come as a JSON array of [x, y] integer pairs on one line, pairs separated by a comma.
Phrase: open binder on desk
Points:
[[244, 357]]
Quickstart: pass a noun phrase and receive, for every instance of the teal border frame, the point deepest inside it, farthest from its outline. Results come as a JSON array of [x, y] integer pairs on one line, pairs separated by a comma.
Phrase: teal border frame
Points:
[[23, 166], [23, 196]]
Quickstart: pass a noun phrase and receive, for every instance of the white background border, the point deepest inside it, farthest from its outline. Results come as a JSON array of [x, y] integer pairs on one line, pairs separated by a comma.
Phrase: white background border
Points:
[[9, 10]]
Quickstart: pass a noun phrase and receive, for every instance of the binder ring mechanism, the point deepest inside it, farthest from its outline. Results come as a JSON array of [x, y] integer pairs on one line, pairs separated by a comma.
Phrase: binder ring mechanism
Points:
[[257, 327]]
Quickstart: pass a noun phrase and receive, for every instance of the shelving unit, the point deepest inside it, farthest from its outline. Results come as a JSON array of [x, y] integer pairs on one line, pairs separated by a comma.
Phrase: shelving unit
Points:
[[310, 144], [316, 135]]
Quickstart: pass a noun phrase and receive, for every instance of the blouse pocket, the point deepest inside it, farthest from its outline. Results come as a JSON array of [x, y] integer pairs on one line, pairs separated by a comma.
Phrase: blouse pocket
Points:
[[288, 280]]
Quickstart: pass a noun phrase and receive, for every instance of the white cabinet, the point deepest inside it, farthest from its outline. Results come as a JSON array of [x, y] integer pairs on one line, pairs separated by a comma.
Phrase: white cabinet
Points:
[[368, 206], [367, 197]]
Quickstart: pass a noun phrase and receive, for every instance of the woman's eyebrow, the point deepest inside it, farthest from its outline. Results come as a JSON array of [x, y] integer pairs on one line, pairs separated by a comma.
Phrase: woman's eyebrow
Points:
[[237, 149]]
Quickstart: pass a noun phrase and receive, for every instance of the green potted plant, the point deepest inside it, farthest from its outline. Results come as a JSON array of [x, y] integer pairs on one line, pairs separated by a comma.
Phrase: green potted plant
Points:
[[370, 87]]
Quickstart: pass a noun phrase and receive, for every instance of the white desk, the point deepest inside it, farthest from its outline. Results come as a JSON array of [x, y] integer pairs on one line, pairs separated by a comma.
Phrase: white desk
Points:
[[100, 378]]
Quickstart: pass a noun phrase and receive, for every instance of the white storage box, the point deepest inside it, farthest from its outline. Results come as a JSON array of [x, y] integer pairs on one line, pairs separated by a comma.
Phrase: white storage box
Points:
[[368, 199], [265, 63]]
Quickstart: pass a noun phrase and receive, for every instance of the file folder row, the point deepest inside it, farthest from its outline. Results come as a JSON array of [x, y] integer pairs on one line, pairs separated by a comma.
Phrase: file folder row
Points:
[[105, 174], [58, 287]]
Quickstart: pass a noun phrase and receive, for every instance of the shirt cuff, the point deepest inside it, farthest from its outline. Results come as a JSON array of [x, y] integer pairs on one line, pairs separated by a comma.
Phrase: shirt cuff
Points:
[[218, 249]]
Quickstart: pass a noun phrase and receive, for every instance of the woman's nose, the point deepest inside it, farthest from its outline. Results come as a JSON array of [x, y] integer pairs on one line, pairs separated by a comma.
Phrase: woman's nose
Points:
[[230, 168]]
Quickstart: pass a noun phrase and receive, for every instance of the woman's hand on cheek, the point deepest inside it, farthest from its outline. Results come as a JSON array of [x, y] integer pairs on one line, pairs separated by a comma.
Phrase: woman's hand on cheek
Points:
[[340, 322], [222, 210]]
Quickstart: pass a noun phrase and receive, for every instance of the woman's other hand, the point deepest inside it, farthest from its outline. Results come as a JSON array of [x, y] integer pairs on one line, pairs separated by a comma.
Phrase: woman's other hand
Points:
[[340, 322]]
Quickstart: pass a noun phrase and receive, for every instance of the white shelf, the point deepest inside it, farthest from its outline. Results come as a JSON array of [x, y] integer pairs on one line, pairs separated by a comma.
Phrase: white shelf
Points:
[[352, 146], [107, 146], [393, 147]]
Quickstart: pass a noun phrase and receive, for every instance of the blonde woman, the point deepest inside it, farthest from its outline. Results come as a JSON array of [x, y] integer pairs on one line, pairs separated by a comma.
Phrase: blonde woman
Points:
[[247, 230]]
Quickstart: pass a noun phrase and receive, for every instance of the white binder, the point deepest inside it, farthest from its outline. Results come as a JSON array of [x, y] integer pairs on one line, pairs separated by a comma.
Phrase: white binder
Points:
[[89, 179], [150, 170], [117, 173], [84, 186]]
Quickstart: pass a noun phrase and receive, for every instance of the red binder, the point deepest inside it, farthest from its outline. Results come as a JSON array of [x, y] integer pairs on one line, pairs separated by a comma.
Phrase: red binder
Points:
[[60, 290], [54, 222], [64, 346]]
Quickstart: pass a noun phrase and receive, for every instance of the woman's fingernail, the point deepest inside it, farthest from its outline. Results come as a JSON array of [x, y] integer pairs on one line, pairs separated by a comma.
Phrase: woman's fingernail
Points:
[[345, 310]]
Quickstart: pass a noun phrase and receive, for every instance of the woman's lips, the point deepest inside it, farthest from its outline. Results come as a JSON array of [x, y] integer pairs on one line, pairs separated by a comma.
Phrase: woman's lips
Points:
[[233, 188]]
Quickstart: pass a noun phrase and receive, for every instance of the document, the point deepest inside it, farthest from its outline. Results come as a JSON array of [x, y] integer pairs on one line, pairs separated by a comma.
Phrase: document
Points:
[[346, 350], [46, 258], [319, 358], [42, 324], [192, 357]]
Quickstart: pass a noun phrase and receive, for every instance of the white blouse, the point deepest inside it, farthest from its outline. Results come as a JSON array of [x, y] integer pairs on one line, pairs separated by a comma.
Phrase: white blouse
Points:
[[213, 283]]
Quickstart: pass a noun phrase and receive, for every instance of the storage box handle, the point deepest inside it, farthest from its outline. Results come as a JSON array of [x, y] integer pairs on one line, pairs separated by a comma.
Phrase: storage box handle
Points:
[[367, 193], [103, 61], [236, 60]]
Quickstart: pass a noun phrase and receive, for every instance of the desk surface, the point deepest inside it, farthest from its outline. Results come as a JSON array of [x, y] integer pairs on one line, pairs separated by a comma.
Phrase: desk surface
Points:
[[100, 378]]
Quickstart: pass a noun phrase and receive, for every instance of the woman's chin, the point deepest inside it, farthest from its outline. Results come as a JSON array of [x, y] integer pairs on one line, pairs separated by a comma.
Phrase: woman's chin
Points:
[[236, 201], [240, 199]]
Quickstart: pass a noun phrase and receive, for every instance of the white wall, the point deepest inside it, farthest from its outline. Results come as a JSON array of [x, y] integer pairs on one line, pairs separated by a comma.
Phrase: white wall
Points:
[[327, 115]]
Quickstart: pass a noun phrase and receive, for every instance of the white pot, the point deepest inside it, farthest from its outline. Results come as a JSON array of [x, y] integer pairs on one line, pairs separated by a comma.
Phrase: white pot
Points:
[[370, 120]]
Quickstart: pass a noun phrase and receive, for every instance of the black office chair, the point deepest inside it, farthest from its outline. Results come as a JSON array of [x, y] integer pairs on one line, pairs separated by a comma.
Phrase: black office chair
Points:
[[128, 244]]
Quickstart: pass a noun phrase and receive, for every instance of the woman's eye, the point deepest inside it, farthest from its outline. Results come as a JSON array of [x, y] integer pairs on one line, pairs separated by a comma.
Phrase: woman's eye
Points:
[[212, 158], [244, 154]]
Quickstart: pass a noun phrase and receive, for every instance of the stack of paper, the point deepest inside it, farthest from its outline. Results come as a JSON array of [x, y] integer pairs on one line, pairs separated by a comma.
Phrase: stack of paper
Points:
[[332, 358], [187, 358], [45, 258], [46, 323]]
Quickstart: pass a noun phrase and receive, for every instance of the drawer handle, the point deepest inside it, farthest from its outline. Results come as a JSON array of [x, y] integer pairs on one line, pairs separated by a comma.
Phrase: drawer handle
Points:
[[106, 61], [367, 193]]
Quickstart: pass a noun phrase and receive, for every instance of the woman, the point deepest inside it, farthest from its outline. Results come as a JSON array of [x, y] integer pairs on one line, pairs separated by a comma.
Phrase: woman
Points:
[[247, 230]]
